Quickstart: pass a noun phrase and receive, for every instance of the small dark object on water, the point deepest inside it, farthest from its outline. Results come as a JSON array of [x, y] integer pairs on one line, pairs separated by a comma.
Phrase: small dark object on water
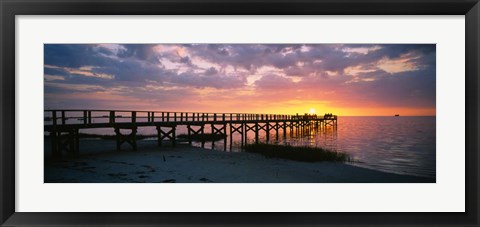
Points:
[[397, 115], [164, 158]]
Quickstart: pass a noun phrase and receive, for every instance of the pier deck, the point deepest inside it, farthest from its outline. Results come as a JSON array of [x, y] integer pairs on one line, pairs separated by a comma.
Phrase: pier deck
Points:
[[63, 125]]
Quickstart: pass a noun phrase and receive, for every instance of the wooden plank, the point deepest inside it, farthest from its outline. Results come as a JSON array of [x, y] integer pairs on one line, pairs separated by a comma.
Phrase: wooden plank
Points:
[[112, 117], [63, 117], [54, 118]]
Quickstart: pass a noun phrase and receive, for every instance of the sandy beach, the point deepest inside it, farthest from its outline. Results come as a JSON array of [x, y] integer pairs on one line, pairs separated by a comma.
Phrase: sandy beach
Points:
[[187, 164]]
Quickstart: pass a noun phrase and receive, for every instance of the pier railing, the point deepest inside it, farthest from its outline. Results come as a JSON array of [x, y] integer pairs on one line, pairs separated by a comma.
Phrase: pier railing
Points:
[[89, 117], [64, 125]]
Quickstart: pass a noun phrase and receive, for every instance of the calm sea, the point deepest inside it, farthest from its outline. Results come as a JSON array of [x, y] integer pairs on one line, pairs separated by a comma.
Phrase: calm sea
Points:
[[404, 145]]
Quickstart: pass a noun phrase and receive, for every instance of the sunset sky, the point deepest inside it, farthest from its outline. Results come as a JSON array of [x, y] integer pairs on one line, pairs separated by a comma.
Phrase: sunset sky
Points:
[[347, 80]]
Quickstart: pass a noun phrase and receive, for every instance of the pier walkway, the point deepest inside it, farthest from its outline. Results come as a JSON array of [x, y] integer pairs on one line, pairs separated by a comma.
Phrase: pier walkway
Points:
[[63, 125]]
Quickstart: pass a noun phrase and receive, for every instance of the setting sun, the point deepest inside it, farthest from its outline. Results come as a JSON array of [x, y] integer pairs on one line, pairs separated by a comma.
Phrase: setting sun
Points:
[[312, 111]]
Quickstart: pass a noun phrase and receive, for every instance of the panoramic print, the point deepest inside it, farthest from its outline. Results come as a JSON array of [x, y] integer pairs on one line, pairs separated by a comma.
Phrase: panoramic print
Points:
[[239, 113]]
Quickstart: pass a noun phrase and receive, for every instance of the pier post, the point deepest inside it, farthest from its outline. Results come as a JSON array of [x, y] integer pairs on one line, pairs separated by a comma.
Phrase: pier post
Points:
[[85, 118], [130, 138], [54, 118], [170, 134], [112, 117], [68, 142], [56, 152], [276, 130], [203, 134], [244, 136], [291, 128], [267, 130], [249, 128], [231, 135], [76, 137], [134, 117], [220, 131], [89, 117], [240, 129], [225, 135], [63, 118], [256, 132], [189, 133], [213, 134]]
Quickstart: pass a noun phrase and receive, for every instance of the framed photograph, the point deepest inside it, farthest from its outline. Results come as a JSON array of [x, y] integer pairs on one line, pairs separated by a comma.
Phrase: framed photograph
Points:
[[239, 113]]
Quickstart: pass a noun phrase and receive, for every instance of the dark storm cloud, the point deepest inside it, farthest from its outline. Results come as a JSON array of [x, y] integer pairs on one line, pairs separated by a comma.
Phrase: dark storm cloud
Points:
[[143, 52], [65, 55]]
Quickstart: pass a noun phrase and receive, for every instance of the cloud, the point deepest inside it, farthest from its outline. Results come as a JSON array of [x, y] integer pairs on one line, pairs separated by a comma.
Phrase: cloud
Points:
[[346, 75]]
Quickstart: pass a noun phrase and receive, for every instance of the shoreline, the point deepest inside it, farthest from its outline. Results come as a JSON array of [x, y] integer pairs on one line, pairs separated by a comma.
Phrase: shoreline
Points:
[[188, 164]]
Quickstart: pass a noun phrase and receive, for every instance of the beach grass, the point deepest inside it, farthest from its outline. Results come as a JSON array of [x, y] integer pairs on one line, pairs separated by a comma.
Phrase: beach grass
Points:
[[300, 153], [202, 137]]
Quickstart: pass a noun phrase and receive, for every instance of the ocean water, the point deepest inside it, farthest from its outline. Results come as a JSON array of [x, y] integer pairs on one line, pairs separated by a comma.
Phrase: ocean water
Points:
[[403, 145]]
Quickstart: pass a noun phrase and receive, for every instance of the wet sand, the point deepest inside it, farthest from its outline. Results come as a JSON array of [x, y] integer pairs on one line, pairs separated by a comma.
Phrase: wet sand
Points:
[[187, 164]]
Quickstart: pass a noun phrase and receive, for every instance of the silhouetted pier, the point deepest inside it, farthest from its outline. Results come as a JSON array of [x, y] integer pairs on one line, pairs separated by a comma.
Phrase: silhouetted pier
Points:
[[64, 125]]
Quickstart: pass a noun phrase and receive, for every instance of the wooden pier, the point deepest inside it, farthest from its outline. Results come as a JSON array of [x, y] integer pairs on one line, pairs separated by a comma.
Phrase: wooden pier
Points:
[[63, 125]]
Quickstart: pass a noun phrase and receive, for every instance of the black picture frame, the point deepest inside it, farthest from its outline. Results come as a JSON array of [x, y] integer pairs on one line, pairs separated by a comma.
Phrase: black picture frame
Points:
[[10, 8]]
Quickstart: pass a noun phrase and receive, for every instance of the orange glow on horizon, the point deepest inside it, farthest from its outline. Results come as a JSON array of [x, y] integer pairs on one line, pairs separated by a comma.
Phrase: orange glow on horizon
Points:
[[227, 105]]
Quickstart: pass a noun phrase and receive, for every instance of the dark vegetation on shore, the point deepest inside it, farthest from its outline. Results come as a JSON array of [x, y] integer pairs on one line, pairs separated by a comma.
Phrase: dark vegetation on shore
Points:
[[202, 138], [304, 154]]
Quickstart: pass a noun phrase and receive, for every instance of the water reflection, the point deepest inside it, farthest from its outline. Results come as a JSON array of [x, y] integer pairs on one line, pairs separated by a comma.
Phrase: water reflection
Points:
[[405, 145]]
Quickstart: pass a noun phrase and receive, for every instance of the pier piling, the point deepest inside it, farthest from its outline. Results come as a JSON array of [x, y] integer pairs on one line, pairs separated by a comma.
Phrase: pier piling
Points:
[[64, 134]]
